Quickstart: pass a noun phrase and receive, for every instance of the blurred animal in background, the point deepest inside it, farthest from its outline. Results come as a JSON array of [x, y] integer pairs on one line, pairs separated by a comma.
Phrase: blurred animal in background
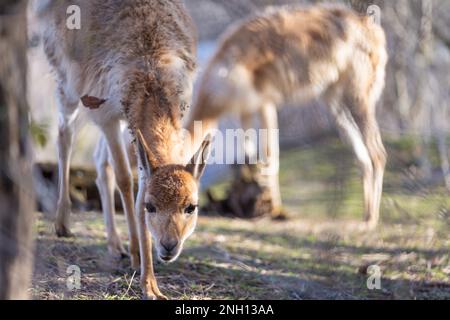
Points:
[[294, 54], [131, 62]]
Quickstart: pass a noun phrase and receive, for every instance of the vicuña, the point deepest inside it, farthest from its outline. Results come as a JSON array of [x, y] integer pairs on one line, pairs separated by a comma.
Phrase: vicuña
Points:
[[131, 61], [295, 54]]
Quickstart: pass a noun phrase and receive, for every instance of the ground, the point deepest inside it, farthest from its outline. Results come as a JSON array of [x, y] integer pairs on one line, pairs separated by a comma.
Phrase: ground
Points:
[[319, 253]]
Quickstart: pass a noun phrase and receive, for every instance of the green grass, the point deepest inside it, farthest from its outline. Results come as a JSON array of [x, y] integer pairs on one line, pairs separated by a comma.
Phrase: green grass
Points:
[[318, 253]]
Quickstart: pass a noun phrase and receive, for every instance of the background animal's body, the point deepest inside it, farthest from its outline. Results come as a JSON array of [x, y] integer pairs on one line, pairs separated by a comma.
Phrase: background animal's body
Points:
[[135, 59], [293, 54]]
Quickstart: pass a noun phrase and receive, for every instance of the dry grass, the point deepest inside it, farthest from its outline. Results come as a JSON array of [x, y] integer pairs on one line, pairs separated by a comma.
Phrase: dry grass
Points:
[[320, 253]]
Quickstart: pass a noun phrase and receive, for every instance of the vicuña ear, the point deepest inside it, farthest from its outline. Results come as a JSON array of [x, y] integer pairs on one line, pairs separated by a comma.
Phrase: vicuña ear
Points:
[[92, 102], [144, 154], [198, 162]]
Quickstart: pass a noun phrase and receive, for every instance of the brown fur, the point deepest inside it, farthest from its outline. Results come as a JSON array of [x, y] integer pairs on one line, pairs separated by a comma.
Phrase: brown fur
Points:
[[171, 188], [295, 40]]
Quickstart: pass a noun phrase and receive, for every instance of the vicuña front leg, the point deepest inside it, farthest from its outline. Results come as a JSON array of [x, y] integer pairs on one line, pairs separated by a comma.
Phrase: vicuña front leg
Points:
[[271, 152], [351, 133], [149, 284], [68, 114], [106, 187], [124, 180], [377, 152]]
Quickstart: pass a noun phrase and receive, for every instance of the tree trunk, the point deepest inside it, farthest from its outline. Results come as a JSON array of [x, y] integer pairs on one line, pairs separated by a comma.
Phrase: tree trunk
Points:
[[16, 196]]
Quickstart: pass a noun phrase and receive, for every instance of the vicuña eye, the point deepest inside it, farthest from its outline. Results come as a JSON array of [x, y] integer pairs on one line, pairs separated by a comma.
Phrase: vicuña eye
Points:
[[190, 209], [150, 208]]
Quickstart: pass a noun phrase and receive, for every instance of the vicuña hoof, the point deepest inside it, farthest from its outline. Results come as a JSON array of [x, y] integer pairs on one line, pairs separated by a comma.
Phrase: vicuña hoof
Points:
[[279, 215], [63, 231], [135, 261], [154, 296], [116, 250], [371, 224]]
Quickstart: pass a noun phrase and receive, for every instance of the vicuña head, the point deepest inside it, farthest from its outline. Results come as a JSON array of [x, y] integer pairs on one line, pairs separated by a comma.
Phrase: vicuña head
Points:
[[171, 199]]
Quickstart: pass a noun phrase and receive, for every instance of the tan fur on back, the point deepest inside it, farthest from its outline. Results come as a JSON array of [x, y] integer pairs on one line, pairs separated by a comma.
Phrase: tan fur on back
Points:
[[291, 54]]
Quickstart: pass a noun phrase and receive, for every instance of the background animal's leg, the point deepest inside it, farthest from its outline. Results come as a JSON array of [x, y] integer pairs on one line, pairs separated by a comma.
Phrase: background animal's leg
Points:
[[68, 114], [270, 152], [250, 147], [124, 180], [351, 133], [149, 285], [106, 187], [366, 120]]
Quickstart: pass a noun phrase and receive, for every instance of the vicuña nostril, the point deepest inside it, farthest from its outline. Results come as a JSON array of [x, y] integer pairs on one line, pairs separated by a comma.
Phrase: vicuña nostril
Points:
[[169, 245]]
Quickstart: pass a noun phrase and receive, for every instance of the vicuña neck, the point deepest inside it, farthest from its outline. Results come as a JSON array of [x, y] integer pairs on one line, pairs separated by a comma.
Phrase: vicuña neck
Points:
[[153, 109]]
